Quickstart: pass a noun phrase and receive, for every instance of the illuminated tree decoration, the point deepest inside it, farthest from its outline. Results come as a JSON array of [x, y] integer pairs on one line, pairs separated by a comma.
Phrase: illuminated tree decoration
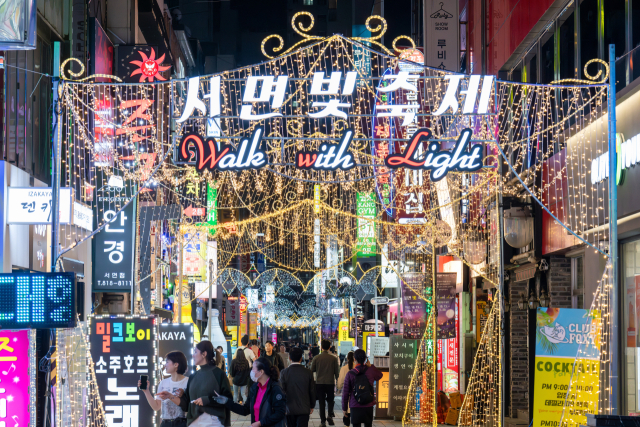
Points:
[[150, 68]]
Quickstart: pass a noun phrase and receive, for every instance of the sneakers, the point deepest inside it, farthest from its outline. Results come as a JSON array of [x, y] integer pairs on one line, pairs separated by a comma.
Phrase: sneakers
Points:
[[330, 421]]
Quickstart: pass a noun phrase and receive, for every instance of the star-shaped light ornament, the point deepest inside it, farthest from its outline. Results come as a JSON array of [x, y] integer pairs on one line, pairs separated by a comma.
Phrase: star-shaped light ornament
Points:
[[16, 380], [150, 67]]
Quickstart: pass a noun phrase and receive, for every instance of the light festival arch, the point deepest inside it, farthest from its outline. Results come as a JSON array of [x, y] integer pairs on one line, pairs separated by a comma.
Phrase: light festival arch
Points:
[[338, 147]]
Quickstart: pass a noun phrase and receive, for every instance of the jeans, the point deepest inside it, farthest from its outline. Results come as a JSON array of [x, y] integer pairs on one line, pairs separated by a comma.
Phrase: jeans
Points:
[[325, 393], [297, 420], [237, 389], [178, 422]]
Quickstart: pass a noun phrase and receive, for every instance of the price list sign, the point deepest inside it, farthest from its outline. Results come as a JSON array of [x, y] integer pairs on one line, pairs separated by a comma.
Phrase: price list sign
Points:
[[402, 363], [122, 349]]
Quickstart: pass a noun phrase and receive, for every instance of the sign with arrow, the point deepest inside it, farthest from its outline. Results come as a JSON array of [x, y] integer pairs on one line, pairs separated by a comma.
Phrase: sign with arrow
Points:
[[191, 211]]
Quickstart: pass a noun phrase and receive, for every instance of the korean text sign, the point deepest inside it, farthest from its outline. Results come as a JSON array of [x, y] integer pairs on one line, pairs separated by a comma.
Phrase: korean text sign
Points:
[[37, 300], [365, 210], [446, 303], [113, 247], [122, 349], [402, 357], [32, 205], [15, 379], [567, 366]]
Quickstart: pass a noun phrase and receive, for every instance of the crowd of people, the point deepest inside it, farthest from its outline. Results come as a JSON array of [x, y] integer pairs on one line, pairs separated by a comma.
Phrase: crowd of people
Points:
[[275, 386]]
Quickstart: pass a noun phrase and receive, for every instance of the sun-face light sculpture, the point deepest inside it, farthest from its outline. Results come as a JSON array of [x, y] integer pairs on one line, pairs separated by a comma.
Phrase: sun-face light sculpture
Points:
[[150, 68]]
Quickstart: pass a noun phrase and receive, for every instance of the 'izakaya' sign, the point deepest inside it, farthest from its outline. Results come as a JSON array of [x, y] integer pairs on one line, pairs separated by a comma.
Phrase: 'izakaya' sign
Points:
[[208, 154]]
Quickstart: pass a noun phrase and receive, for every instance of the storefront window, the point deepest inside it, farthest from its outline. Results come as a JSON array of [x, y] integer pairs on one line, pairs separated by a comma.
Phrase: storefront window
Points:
[[547, 74], [631, 318], [588, 32], [614, 33], [567, 45]]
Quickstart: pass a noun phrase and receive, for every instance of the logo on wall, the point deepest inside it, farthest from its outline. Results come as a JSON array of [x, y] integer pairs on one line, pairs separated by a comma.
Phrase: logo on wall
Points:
[[149, 67]]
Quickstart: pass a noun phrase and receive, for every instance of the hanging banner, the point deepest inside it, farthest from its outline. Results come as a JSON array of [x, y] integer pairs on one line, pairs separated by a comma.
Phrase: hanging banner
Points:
[[414, 307], [232, 311], [443, 47], [481, 318], [17, 353], [402, 356], [446, 304], [114, 246], [366, 209], [122, 349], [194, 253], [176, 337], [567, 366], [253, 326]]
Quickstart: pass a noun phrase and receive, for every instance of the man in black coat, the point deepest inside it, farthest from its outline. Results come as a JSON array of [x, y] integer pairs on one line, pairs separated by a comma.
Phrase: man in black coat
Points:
[[300, 389]]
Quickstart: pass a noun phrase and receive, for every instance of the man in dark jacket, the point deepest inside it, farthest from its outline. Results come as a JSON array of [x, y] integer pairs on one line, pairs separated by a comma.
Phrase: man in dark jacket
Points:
[[272, 356], [327, 367], [297, 383]]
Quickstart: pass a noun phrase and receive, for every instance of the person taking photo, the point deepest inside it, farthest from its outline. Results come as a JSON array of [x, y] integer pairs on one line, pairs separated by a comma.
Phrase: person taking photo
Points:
[[357, 394], [171, 414], [267, 403], [198, 398], [300, 389]]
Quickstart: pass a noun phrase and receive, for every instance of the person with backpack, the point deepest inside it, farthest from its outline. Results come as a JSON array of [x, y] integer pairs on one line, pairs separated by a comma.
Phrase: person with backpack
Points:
[[357, 394], [240, 369]]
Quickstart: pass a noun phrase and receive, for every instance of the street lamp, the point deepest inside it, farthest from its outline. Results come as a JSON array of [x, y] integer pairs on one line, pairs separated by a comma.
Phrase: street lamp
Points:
[[518, 227], [533, 301], [522, 302], [544, 299]]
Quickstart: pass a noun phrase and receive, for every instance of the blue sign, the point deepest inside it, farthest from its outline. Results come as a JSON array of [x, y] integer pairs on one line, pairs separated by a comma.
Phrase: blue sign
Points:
[[38, 300], [566, 332]]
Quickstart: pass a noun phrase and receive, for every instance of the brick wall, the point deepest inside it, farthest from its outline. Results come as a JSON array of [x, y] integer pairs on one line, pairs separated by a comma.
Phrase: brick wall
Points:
[[559, 281], [519, 387]]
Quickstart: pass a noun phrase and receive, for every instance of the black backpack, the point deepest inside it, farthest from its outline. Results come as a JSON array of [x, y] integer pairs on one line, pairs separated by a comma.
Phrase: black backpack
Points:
[[362, 389]]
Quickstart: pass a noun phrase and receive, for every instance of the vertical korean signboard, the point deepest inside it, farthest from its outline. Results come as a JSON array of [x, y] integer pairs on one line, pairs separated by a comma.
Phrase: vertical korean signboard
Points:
[[16, 405], [122, 349], [113, 246], [365, 210], [402, 356], [567, 366], [443, 30]]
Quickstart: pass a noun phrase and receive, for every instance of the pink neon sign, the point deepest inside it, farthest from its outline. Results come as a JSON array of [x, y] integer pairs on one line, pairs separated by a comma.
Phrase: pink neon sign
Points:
[[14, 378]]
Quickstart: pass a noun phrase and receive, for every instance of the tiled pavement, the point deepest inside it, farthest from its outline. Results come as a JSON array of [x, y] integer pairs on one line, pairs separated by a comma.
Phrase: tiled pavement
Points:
[[238, 421]]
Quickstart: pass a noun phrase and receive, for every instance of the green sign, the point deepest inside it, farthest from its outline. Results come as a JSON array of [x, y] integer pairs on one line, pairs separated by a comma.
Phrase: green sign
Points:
[[366, 209], [212, 210]]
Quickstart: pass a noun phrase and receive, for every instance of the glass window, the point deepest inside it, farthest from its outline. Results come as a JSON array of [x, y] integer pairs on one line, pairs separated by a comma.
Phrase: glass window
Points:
[[588, 32], [566, 40], [530, 72], [630, 319], [547, 74], [635, 38], [614, 33], [577, 282]]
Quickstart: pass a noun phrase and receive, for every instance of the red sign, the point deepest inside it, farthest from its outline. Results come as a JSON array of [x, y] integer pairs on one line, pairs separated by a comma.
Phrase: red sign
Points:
[[243, 304], [191, 211], [149, 67]]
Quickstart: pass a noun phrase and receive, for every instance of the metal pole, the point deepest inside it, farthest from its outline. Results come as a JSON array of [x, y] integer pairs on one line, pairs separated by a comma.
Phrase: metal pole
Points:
[[178, 287], [375, 309], [55, 151], [614, 351]]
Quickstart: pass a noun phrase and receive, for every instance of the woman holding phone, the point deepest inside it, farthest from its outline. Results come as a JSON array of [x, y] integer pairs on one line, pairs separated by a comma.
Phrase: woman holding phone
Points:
[[172, 415], [203, 386]]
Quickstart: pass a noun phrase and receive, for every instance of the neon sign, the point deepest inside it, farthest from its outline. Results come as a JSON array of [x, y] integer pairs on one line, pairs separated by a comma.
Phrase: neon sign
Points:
[[207, 154], [440, 162]]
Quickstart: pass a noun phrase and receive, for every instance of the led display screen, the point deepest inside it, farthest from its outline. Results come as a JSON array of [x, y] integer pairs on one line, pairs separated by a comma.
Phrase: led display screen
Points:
[[37, 300]]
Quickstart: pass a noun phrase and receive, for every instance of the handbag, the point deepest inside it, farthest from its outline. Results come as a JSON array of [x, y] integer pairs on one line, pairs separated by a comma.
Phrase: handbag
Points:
[[346, 419]]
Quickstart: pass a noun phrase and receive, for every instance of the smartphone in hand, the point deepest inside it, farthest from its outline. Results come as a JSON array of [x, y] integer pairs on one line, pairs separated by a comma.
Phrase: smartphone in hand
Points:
[[144, 380]]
